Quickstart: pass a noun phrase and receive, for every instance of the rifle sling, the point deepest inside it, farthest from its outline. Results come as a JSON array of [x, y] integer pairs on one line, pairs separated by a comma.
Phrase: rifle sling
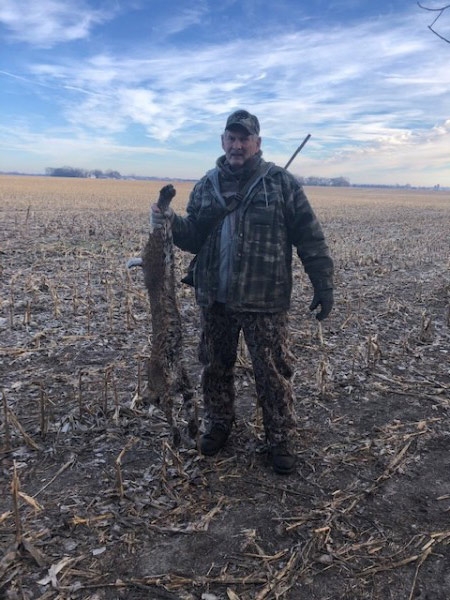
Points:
[[188, 279]]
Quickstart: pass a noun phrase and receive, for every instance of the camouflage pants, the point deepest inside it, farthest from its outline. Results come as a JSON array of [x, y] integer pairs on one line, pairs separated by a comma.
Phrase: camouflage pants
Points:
[[266, 336]]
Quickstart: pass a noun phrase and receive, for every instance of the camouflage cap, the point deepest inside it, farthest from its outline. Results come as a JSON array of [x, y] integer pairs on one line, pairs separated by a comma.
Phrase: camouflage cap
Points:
[[244, 119]]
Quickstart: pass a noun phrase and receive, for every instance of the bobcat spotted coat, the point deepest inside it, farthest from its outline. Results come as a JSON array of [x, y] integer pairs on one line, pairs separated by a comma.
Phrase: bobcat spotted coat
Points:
[[166, 372]]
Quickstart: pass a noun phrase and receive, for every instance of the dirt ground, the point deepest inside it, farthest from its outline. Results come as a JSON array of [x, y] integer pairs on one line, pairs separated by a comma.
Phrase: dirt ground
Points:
[[96, 503]]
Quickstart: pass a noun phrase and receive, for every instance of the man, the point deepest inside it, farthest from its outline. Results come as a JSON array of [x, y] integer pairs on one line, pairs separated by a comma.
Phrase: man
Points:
[[243, 219]]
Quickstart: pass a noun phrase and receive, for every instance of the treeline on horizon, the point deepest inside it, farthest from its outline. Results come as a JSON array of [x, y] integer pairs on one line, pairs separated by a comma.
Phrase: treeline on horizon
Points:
[[84, 173], [98, 174]]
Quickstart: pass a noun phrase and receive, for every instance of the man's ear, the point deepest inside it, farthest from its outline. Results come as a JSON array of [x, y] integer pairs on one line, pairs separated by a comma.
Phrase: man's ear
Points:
[[221, 139]]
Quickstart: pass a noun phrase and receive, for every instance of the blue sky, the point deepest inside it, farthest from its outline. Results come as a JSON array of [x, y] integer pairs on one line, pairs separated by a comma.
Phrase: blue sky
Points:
[[144, 86]]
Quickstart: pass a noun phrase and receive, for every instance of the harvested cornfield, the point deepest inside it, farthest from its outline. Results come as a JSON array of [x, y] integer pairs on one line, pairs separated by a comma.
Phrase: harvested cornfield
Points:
[[95, 502]]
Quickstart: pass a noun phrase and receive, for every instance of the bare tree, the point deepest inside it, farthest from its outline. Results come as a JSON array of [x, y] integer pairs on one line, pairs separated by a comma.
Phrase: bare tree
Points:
[[440, 12]]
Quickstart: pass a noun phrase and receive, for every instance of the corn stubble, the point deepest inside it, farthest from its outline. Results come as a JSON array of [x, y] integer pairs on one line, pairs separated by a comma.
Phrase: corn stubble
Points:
[[77, 433]]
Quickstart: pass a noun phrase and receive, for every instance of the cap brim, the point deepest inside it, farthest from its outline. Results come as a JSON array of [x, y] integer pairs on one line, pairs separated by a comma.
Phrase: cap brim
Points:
[[239, 126]]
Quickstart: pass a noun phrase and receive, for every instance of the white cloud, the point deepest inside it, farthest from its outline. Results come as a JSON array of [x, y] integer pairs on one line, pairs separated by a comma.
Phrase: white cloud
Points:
[[49, 22], [185, 18], [372, 94], [58, 147], [388, 159]]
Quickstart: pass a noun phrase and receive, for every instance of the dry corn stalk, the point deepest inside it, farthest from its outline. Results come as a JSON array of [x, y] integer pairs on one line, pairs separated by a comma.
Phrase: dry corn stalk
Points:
[[15, 422], [373, 350], [118, 466], [43, 412], [7, 431], [426, 334], [323, 376], [15, 489]]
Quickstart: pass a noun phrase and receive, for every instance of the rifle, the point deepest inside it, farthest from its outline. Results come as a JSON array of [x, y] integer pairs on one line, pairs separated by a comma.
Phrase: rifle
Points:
[[299, 149]]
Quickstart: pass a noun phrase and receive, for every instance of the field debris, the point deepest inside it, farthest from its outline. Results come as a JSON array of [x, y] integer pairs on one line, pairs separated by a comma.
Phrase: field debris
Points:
[[96, 502]]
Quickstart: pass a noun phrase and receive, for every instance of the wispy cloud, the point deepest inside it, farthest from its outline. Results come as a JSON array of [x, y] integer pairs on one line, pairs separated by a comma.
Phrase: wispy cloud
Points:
[[49, 22], [371, 92], [185, 18], [303, 76]]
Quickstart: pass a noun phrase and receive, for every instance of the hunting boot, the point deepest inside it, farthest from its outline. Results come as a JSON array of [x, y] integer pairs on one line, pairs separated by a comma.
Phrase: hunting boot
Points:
[[283, 458], [214, 439]]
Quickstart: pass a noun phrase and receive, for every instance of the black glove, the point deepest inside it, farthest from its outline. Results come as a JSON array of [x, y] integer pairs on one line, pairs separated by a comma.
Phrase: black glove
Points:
[[324, 298]]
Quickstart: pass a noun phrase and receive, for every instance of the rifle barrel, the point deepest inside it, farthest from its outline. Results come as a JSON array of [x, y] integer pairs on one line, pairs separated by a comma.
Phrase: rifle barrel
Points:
[[299, 149]]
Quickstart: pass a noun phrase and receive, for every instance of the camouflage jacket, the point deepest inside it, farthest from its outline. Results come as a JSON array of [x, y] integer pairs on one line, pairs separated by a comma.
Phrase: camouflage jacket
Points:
[[273, 217]]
